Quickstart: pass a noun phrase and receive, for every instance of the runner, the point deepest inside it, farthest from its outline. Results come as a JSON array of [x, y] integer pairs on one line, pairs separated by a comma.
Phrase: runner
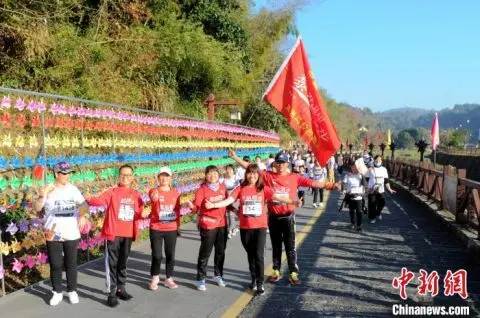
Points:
[[252, 195], [60, 202], [281, 221], [230, 181], [124, 206], [377, 182], [164, 227], [354, 185], [318, 173], [212, 224]]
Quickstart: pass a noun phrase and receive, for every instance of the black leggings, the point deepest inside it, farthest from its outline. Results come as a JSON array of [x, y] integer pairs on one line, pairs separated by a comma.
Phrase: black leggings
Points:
[[316, 193], [254, 243], [376, 203], [210, 238], [157, 239], [355, 209], [69, 259]]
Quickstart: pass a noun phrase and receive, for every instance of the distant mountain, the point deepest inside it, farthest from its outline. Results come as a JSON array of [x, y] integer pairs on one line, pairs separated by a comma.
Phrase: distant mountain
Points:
[[466, 115], [400, 118]]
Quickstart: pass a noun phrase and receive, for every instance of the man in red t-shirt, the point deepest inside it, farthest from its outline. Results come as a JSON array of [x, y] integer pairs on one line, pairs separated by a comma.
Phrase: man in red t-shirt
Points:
[[124, 207], [281, 219]]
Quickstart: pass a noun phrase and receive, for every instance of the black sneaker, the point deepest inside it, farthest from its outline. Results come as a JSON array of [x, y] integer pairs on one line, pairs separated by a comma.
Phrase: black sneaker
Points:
[[260, 291], [112, 301], [123, 295], [358, 228]]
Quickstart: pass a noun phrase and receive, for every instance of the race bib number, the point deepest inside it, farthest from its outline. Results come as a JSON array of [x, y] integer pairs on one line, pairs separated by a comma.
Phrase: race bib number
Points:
[[252, 208], [126, 212], [166, 214]]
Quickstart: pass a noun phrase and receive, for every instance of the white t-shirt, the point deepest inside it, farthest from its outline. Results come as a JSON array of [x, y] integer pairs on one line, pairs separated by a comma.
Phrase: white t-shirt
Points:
[[262, 166], [299, 163], [376, 179], [353, 185], [230, 183], [61, 209], [241, 173]]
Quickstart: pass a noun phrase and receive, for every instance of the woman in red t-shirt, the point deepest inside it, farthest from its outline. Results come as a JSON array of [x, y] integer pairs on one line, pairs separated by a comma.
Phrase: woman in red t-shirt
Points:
[[252, 196], [164, 227], [212, 225]]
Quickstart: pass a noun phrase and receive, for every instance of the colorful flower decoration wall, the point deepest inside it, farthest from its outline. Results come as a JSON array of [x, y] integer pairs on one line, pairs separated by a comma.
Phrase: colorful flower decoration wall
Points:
[[96, 141]]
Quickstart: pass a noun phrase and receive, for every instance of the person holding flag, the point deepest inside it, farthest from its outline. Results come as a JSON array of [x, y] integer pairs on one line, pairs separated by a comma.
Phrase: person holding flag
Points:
[[281, 216]]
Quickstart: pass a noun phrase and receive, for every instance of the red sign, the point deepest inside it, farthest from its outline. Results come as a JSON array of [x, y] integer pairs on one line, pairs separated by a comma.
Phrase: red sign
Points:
[[294, 93]]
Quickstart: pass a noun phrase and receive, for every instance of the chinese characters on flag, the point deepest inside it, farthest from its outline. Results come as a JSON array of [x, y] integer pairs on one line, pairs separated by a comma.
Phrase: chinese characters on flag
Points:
[[294, 93], [453, 283]]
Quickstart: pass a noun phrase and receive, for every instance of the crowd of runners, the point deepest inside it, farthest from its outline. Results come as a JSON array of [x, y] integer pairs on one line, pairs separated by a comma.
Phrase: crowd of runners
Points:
[[255, 199]]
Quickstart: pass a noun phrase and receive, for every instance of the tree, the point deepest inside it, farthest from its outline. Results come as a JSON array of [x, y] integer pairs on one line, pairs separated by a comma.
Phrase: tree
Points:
[[405, 140]]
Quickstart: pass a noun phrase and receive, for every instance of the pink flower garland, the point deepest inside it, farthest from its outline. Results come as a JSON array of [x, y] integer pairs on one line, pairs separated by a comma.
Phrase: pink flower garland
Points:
[[60, 109]]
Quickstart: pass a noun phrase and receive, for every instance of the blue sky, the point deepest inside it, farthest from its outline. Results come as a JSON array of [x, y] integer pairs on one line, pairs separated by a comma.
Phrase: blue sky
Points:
[[385, 54]]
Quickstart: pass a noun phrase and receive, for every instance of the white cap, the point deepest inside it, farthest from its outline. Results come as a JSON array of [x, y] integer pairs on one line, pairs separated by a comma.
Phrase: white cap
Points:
[[165, 170]]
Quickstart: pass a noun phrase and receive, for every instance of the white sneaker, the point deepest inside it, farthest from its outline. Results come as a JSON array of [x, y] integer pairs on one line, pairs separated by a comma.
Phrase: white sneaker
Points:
[[56, 298], [73, 297], [235, 231], [321, 204], [379, 217], [201, 286], [373, 221], [219, 280]]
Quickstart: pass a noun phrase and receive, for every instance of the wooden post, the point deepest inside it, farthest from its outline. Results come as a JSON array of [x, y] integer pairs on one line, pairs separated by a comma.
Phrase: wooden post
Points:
[[211, 103]]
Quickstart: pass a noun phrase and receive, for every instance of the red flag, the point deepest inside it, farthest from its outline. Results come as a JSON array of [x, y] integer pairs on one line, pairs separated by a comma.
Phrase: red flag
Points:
[[366, 141], [435, 133], [294, 93]]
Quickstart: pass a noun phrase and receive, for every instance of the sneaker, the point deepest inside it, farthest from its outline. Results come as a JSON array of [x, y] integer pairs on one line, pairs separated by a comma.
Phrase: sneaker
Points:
[[260, 291], [229, 235], [275, 277], [220, 281], [201, 285], [154, 283], [235, 231], [112, 301], [321, 205], [73, 297], [56, 298], [314, 205], [253, 285], [379, 217], [294, 278], [353, 226], [169, 283], [358, 228], [373, 221], [123, 295], [268, 230]]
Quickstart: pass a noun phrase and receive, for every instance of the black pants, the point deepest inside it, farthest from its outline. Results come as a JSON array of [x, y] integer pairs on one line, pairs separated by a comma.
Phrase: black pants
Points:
[[301, 195], [69, 259], [316, 192], [210, 238], [355, 209], [376, 202], [254, 243], [157, 238], [116, 257], [282, 229]]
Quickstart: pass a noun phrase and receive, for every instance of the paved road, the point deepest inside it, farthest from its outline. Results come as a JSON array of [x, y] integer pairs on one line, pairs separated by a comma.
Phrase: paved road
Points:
[[344, 273], [349, 274], [185, 301]]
